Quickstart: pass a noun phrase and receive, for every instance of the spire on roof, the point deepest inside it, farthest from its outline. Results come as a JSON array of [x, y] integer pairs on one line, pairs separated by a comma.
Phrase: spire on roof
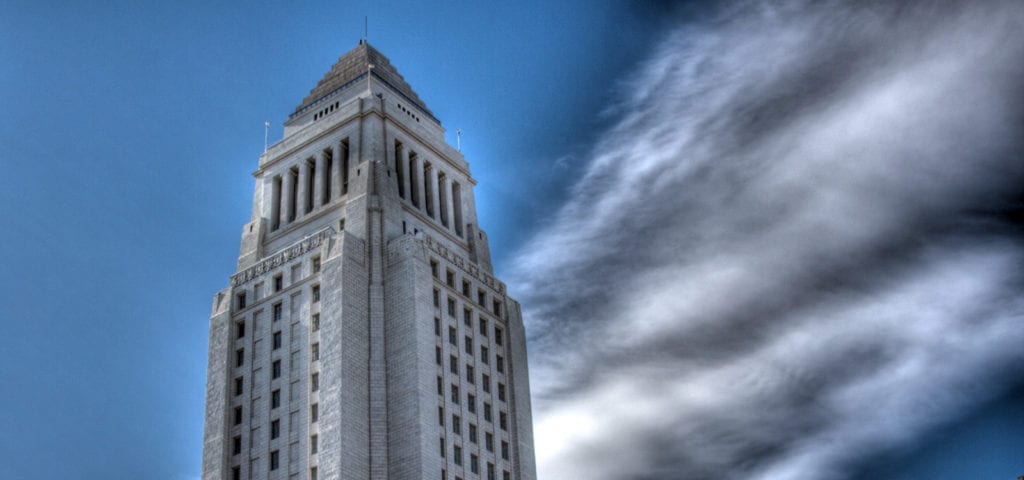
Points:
[[353, 66]]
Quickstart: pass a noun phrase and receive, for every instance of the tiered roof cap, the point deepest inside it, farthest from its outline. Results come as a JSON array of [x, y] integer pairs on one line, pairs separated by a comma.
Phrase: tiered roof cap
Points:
[[351, 68]]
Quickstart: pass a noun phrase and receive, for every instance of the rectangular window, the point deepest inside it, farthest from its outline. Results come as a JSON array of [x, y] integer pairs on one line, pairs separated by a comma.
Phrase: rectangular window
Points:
[[472, 433], [277, 311], [315, 322], [314, 382], [465, 288], [241, 300], [275, 429], [469, 344], [313, 472], [437, 353], [275, 369], [471, 403], [489, 441], [314, 352], [277, 340], [278, 282], [314, 412], [316, 264], [240, 329], [499, 363], [457, 453], [449, 278], [443, 448], [437, 298], [496, 306], [470, 374], [485, 355], [501, 391], [497, 335], [313, 443], [239, 386], [238, 415], [440, 416], [316, 293], [481, 298], [487, 383], [453, 336], [437, 326], [455, 394], [236, 445], [440, 385], [483, 326], [456, 425], [239, 357], [453, 364], [433, 268], [490, 471], [275, 399], [274, 460], [504, 450], [503, 420], [236, 473], [451, 307], [467, 318], [474, 464], [487, 411]]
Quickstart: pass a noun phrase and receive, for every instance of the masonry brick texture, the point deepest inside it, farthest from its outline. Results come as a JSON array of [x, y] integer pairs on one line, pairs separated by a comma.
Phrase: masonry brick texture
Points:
[[364, 335]]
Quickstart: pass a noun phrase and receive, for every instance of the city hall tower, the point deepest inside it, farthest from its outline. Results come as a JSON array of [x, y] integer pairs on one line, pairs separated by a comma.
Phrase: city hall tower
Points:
[[364, 336]]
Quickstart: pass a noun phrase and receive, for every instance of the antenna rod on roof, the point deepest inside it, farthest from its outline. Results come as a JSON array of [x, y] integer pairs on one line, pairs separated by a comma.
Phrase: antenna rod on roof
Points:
[[458, 138], [266, 133]]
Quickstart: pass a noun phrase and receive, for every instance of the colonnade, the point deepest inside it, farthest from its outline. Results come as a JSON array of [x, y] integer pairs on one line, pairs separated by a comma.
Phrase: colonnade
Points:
[[311, 184], [428, 188]]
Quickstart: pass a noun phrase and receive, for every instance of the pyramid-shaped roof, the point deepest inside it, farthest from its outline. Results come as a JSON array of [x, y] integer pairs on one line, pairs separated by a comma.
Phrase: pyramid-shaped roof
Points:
[[352, 67]]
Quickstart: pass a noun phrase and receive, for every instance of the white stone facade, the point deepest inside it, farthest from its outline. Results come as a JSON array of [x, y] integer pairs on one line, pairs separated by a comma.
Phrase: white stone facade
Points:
[[364, 335]]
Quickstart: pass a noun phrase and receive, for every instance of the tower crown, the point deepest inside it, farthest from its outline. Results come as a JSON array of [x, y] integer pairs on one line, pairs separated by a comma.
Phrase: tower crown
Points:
[[349, 73]]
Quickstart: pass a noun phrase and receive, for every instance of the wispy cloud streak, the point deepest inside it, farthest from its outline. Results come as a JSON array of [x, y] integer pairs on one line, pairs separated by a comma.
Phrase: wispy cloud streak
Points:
[[791, 252]]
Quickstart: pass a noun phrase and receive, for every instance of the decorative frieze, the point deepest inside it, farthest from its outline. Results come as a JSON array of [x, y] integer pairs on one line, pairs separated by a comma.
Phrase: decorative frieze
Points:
[[467, 266], [282, 257]]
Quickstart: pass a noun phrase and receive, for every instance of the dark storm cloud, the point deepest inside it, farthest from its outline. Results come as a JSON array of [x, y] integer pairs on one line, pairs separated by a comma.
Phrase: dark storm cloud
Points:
[[792, 251]]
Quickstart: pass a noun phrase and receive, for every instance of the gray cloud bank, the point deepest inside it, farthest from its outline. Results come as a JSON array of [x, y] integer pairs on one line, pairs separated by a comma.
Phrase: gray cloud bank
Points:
[[792, 251]]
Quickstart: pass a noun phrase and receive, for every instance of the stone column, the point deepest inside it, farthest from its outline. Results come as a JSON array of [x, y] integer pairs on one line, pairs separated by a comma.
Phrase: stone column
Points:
[[319, 183], [301, 209], [339, 164], [275, 202], [442, 197], [286, 197], [417, 169], [403, 166], [432, 191]]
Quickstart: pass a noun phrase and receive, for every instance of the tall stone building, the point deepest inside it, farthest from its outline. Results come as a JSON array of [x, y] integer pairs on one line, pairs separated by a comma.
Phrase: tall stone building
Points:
[[364, 335]]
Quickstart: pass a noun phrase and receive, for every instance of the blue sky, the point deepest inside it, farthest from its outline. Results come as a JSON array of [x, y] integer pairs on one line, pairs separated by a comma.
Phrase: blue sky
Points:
[[129, 136]]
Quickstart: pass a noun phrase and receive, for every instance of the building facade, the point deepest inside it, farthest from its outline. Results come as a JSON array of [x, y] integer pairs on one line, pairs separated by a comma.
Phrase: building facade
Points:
[[364, 335]]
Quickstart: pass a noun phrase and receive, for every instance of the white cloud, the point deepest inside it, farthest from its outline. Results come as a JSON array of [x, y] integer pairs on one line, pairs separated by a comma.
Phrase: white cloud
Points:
[[774, 266]]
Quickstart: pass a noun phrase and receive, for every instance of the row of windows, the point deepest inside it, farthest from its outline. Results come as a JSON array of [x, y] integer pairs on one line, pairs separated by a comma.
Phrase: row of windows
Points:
[[474, 464], [275, 432], [481, 294], [467, 319], [241, 298], [457, 423]]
